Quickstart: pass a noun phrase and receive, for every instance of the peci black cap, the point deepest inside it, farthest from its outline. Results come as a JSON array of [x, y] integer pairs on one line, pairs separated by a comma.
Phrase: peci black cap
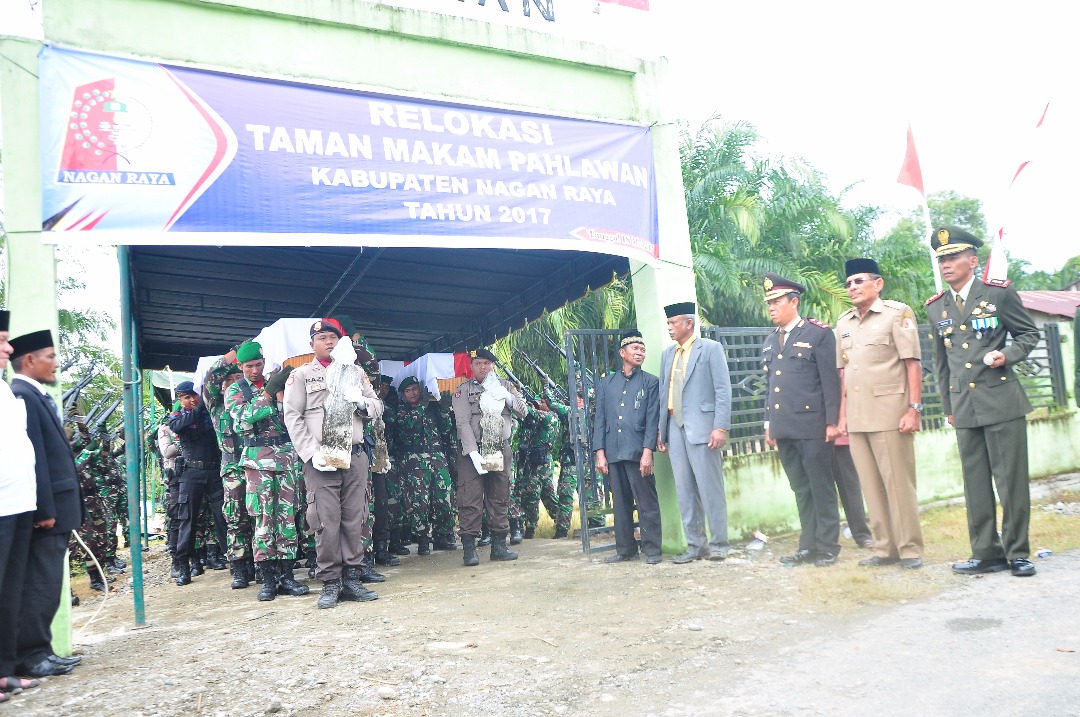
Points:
[[686, 308], [5, 319], [861, 266], [631, 336], [29, 343]]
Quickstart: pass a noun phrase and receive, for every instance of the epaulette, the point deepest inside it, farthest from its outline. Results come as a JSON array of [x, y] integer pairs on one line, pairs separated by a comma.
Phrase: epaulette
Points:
[[817, 323], [1003, 283], [935, 297], [893, 304]]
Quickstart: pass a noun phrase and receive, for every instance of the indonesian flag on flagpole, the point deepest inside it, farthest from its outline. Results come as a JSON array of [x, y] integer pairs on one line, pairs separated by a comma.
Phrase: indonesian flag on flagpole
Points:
[[997, 265], [638, 4], [910, 171]]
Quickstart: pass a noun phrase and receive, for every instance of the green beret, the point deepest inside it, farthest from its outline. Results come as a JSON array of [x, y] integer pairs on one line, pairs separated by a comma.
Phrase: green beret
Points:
[[383, 378], [249, 351], [406, 382]]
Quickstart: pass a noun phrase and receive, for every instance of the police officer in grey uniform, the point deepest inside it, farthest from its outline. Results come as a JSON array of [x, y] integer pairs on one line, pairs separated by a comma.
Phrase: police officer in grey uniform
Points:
[[624, 437], [984, 400], [479, 491], [802, 410]]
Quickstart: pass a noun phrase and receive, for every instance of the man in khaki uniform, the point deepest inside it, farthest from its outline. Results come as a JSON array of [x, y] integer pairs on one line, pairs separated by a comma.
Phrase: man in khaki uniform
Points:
[[480, 491], [337, 498], [878, 355]]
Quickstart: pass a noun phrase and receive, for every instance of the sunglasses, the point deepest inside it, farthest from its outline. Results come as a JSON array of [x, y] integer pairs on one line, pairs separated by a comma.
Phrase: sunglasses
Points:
[[855, 282]]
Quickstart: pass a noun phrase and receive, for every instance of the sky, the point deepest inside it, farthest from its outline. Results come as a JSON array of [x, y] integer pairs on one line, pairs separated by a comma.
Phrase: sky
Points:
[[837, 83]]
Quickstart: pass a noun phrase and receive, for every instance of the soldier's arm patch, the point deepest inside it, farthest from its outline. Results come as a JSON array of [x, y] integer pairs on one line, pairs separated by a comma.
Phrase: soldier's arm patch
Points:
[[819, 324], [935, 297]]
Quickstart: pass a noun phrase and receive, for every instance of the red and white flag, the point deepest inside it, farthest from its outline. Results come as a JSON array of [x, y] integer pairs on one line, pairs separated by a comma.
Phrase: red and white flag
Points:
[[997, 265], [910, 171], [638, 4]]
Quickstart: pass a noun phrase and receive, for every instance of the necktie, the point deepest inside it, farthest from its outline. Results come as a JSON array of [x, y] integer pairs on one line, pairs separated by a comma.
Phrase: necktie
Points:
[[960, 304], [677, 385], [783, 335], [53, 406]]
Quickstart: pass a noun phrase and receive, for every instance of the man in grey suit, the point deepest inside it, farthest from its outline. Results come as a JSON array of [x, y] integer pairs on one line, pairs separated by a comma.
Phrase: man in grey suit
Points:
[[624, 438], [695, 414]]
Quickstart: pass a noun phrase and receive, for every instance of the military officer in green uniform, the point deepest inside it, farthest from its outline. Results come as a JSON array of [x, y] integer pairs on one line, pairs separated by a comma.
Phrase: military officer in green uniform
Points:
[[984, 400]]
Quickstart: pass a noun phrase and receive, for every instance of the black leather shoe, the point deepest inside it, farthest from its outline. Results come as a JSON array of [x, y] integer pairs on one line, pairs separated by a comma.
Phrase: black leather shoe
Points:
[[911, 563], [799, 558], [620, 558], [654, 559], [1022, 567], [975, 566], [73, 660], [44, 668], [824, 560], [877, 561]]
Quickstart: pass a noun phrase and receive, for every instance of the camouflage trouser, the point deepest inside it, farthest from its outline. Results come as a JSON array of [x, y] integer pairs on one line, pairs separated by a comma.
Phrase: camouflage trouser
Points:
[[271, 501], [240, 526], [94, 532], [425, 486], [368, 529], [536, 476], [305, 533], [204, 526], [516, 474], [105, 496], [559, 500], [394, 499], [117, 504]]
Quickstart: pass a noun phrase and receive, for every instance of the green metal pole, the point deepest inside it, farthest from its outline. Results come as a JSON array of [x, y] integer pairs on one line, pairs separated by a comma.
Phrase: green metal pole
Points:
[[132, 384]]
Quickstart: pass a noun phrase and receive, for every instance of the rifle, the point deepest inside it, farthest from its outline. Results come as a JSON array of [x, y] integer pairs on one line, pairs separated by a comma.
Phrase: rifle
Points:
[[100, 419], [66, 366], [556, 390], [525, 392], [588, 375], [72, 394]]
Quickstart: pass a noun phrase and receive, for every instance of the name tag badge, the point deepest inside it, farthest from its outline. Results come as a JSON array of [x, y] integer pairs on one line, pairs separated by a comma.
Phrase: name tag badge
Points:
[[946, 322], [802, 345], [314, 385]]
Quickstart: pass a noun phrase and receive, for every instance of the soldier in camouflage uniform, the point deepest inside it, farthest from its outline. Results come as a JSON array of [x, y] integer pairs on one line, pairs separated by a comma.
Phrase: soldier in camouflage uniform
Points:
[[416, 444], [116, 501], [223, 374], [567, 485], [271, 469], [168, 445], [94, 530], [377, 528], [540, 482]]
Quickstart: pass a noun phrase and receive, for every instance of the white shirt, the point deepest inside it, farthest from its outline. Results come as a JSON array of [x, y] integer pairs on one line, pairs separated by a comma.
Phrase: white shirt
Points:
[[18, 482], [965, 289]]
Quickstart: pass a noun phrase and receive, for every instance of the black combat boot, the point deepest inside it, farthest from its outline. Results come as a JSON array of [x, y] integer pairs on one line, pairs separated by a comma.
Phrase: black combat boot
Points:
[[397, 547], [468, 547], [485, 537], [515, 532], [198, 563], [499, 551], [96, 581], [287, 584], [214, 559], [183, 571], [444, 541], [352, 587], [174, 569], [269, 580], [239, 574], [383, 556], [249, 569], [331, 589], [311, 563], [116, 562], [529, 533], [561, 532], [423, 545], [367, 571]]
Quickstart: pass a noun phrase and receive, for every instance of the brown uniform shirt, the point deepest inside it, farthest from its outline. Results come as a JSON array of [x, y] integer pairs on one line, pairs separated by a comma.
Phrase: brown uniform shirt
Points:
[[305, 392], [871, 352], [466, 405]]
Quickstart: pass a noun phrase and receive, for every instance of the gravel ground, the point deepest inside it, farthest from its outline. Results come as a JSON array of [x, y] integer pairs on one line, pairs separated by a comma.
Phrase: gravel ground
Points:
[[558, 633]]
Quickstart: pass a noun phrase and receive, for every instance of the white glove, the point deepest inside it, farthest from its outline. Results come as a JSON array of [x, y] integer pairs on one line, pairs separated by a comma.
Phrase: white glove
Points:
[[475, 456], [389, 465], [319, 464], [510, 402], [355, 394]]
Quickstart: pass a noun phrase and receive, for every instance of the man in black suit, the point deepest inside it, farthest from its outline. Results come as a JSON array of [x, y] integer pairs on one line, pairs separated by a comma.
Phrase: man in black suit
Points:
[[59, 505]]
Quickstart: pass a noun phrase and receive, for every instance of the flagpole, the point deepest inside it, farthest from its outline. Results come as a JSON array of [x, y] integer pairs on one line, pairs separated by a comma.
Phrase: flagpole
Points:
[[933, 255]]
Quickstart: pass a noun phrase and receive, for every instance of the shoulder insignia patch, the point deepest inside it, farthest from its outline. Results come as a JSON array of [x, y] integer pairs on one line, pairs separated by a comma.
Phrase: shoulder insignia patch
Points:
[[892, 304], [1003, 283], [457, 394], [935, 297], [290, 381], [819, 324]]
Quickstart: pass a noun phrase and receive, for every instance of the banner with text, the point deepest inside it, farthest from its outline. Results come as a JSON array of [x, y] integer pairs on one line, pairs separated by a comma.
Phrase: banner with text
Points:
[[142, 153]]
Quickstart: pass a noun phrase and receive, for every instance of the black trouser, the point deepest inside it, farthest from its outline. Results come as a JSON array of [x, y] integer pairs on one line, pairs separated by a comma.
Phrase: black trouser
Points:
[[628, 487], [195, 486], [41, 596], [808, 464], [851, 497], [15, 531], [381, 529], [172, 525]]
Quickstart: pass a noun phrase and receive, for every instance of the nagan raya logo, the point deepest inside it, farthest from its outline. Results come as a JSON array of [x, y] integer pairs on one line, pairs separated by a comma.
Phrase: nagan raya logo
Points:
[[101, 128]]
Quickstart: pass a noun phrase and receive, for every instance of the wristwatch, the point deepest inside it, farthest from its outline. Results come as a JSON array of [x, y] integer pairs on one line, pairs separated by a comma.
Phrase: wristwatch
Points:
[[916, 406]]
